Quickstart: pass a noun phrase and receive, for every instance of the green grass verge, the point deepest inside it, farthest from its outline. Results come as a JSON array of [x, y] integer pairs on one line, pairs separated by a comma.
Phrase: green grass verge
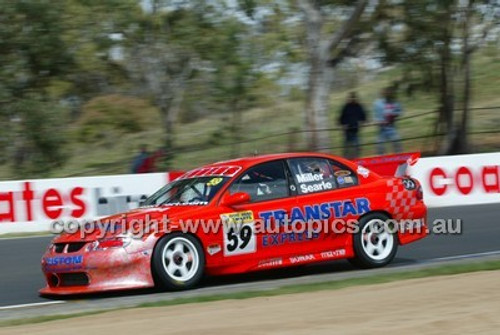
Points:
[[290, 289]]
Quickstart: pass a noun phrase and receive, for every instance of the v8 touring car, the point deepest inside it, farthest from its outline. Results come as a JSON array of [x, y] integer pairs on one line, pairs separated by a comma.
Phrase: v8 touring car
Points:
[[256, 200]]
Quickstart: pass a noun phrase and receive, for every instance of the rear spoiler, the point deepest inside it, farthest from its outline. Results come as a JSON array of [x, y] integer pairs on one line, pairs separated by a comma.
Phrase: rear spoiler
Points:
[[402, 170], [386, 165]]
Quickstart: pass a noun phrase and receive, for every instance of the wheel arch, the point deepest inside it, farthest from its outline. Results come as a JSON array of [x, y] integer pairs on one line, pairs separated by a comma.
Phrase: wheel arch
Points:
[[377, 211]]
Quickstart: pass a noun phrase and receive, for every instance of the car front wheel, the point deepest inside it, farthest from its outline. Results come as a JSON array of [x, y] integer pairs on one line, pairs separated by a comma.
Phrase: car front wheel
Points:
[[178, 261], [376, 243]]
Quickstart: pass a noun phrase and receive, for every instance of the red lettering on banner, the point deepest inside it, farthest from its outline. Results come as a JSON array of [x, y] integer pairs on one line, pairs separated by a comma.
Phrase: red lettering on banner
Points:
[[28, 196], [491, 171], [51, 203], [80, 209], [9, 215], [465, 179], [441, 189], [464, 189]]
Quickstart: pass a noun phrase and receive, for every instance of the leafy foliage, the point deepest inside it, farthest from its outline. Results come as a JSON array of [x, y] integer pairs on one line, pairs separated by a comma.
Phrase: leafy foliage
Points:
[[115, 67], [109, 117], [35, 136]]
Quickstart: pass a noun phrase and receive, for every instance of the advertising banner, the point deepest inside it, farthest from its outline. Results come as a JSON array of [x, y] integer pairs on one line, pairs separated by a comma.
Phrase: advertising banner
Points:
[[459, 180], [31, 205]]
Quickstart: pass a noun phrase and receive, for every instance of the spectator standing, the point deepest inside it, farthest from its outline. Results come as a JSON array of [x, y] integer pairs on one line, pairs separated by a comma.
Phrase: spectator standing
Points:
[[138, 161], [149, 164], [351, 116], [387, 110]]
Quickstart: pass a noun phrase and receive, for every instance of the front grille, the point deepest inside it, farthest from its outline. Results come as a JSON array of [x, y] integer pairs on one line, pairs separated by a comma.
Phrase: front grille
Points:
[[73, 279], [53, 280], [59, 248]]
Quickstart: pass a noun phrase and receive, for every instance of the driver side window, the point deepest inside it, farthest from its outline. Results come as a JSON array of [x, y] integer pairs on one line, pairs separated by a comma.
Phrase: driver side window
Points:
[[312, 175], [266, 181]]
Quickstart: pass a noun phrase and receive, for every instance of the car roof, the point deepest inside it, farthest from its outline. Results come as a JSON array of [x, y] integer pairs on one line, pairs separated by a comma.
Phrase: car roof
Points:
[[232, 168], [246, 162]]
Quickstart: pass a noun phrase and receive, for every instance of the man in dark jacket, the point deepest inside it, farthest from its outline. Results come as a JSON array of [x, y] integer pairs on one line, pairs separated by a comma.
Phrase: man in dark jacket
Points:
[[352, 115]]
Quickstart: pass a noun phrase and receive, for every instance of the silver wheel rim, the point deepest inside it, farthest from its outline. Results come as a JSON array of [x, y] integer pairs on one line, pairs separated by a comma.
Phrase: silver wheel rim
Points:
[[180, 259], [377, 240]]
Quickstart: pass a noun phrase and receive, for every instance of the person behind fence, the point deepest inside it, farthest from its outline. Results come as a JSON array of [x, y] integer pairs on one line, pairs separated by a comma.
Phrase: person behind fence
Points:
[[387, 110], [351, 116], [149, 164], [139, 160]]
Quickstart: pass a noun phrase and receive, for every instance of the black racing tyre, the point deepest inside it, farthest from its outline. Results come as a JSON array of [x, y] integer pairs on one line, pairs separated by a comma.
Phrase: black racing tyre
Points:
[[178, 262], [375, 243]]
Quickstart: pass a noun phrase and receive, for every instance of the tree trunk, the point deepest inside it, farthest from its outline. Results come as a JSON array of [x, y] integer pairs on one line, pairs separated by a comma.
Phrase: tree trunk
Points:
[[314, 24], [317, 106], [236, 128], [463, 146], [463, 143], [169, 127], [320, 50], [447, 99]]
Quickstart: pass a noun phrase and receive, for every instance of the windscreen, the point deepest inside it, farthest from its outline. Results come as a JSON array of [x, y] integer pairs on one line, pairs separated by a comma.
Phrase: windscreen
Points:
[[192, 191]]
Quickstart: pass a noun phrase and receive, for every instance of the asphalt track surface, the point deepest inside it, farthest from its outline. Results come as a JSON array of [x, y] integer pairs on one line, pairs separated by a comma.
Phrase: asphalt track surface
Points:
[[20, 274]]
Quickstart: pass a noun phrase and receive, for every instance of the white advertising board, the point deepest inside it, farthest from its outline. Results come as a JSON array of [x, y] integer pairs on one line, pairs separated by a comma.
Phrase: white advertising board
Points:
[[32, 205], [459, 180]]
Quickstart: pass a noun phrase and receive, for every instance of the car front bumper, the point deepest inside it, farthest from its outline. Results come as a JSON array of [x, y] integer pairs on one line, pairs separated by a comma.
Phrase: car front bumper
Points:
[[96, 271]]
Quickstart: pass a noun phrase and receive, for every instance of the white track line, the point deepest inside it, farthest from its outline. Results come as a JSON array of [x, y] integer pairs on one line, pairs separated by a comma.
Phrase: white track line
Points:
[[480, 254], [35, 304]]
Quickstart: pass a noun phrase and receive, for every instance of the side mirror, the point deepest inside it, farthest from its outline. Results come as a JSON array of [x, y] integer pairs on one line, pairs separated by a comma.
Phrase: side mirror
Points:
[[230, 200]]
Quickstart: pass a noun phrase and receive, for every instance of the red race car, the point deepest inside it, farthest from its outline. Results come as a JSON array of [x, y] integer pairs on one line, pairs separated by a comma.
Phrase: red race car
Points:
[[238, 216]]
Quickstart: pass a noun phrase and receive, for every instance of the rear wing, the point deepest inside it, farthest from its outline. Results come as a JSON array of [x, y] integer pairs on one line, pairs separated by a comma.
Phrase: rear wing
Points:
[[402, 170], [389, 165]]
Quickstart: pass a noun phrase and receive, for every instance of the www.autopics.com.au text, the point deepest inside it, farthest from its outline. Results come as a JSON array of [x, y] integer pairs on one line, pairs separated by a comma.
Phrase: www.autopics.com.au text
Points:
[[139, 228]]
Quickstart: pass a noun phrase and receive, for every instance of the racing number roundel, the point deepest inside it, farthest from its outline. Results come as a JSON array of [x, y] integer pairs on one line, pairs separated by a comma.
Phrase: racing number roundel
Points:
[[239, 233]]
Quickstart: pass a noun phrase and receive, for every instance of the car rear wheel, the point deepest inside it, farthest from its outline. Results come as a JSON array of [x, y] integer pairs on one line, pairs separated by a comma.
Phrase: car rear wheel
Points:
[[376, 243], [178, 261]]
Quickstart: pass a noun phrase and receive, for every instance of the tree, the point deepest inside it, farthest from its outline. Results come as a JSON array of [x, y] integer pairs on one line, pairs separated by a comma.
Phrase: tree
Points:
[[422, 36], [38, 136], [164, 54], [233, 60], [96, 30], [325, 50], [32, 54], [486, 16], [178, 46], [53, 52]]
